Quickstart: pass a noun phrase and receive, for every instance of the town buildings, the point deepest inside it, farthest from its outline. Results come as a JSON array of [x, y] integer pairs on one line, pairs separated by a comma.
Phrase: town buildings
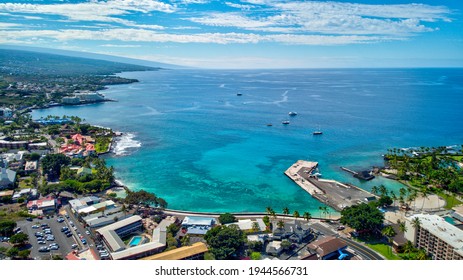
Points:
[[436, 236]]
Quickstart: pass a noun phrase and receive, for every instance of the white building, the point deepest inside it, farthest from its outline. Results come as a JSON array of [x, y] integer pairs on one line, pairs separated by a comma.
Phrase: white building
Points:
[[436, 236]]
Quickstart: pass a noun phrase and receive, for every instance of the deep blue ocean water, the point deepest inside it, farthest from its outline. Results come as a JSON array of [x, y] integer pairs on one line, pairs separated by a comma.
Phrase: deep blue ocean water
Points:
[[193, 141]]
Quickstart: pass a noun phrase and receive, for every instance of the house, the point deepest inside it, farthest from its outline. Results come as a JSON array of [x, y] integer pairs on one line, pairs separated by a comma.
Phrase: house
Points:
[[327, 248], [274, 248], [7, 176], [295, 231], [84, 171], [247, 224], [196, 225]]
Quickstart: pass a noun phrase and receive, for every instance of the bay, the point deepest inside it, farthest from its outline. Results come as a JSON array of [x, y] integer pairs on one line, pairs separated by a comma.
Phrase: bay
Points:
[[191, 139]]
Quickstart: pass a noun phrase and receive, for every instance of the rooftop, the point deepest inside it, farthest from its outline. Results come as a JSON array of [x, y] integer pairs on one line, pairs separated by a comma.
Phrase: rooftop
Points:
[[180, 253], [440, 228]]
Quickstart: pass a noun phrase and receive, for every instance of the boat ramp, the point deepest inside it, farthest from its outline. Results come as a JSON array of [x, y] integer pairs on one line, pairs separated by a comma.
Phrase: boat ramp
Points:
[[330, 192]]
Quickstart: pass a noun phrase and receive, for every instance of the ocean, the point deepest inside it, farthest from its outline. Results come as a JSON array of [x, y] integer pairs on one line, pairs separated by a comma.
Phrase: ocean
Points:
[[200, 139]]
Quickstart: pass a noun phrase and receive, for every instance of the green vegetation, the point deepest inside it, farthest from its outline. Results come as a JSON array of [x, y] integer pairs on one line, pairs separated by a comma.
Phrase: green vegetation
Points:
[[102, 144], [225, 242], [227, 218], [384, 250], [52, 164], [144, 197], [6, 226], [19, 238], [362, 217]]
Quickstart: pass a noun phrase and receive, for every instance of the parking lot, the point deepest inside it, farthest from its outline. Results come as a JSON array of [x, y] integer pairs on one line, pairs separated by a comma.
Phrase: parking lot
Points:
[[47, 226]]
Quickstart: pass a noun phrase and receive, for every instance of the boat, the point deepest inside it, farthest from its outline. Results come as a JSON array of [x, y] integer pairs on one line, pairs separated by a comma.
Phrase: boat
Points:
[[269, 124], [292, 114], [239, 94], [317, 132], [285, 122]]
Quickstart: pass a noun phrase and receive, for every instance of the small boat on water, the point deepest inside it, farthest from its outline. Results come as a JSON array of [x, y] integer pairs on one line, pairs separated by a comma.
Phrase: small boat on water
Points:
[[317, 132], [239, 94], [285, 122], [269, 124], [292, 114]]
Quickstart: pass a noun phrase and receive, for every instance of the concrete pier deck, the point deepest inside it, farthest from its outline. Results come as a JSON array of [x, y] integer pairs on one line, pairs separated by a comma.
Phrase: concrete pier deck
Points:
[[333, 193]]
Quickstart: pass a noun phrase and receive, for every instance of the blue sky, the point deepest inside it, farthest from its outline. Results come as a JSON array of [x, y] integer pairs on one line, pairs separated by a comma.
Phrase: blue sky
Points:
[[246, 34]]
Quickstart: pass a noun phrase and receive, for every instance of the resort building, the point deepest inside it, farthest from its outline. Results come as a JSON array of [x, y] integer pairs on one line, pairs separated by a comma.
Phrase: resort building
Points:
[[327, 248], [436, 236], [112, 234], [103, 219], [71, 100], [138, 246], [196, 225], [95, 208], [90, 97], [13, 144], [193, 252]]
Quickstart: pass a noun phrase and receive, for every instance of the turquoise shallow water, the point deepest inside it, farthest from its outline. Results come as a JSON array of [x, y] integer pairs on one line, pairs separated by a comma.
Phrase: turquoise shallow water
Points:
[[192, 140]]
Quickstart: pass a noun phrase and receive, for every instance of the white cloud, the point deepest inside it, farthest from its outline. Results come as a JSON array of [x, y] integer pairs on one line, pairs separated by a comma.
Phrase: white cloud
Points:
[[143, 35], [239, 6], [119, 46], [7, 25]]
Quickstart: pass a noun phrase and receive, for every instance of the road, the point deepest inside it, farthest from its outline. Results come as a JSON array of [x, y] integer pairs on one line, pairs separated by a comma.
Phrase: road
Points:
[[365, 252]]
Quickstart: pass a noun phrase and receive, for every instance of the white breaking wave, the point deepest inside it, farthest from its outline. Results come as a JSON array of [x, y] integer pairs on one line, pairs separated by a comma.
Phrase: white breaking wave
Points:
[[125, 144]]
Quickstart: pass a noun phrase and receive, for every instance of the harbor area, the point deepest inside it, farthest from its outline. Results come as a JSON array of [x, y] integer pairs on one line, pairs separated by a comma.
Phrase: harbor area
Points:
[[330, 192]]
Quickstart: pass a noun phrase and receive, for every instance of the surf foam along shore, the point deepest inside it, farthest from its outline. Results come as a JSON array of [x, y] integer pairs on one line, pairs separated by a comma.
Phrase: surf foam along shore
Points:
[[125, 144]]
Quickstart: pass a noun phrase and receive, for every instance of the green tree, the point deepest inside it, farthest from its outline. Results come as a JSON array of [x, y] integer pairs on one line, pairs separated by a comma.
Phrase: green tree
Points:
[[408, 248], [19, 238], [307, 216], [24, 254], [225, 242], [285, 244], [226, 218], [173, 229], [296, 214], [7, 227], [280, 224], [255, 246], [374, 190], [385, 200], [185, 240], [256, 256], [389, 233], [12, 252], [52, 164], [255, 227], [362, 217], [402, 227], [286, 211]]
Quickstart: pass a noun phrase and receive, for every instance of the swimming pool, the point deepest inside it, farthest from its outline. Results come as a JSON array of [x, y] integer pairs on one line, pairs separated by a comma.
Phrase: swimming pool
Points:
[[449, 220], [136, 240]]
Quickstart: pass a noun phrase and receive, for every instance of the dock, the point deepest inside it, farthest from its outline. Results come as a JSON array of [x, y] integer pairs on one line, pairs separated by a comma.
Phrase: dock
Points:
[[363, 175], [330, 192]]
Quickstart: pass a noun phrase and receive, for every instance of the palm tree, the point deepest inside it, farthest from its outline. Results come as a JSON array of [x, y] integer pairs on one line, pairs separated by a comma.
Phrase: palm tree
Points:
[[403, 191], [273, 214], [389, 233], [409, 248], [269, 210], [402, 227], [421, 255], [324, 210], [374, 190], [394, 197], [382, 190], [424, 194], [255, 227], [416, 224], [286, 211], [186, 240], [280, 224], [307, 216], [296, 214]]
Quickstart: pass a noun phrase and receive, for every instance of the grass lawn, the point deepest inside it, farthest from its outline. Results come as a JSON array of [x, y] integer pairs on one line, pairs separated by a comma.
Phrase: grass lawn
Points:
[[384, 250], [450, 200]]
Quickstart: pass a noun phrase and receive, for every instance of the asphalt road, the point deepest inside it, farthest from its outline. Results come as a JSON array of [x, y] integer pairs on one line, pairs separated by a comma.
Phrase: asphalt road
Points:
[[365, 252]]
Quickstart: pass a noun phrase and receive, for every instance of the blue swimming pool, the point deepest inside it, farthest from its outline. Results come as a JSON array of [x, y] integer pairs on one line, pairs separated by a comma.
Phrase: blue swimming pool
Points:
[[136, 240], [449, 220]]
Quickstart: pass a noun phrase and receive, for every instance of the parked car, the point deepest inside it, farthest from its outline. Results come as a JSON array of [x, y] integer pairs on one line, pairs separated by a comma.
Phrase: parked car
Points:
[[35, 226], [104, 255], [44, 249], [84, 241], [87, 232], [38, 233], [69, 234], [74, 246], [29, 219], [41, 242], [63, 229]]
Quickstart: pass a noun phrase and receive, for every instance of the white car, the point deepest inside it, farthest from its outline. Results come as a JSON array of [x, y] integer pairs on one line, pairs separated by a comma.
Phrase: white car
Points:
[[74, 246], [35, 226]]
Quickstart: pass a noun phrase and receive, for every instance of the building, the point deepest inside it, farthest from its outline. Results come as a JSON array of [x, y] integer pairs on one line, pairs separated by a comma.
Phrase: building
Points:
[[71, 100], [6, 113], [13, 144], [31, 166], [436, 236], [45, 205], [295, 231], [112, 234], [7, 176], [327, 248], [274, 248], [77, 204], [196, 225], [98, 207], [193, 252], [247, 224], [90, 97]]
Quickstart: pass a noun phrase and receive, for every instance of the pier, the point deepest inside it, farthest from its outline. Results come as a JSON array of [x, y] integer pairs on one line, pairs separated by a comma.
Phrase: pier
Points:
[[330, 192], [363, 175]]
